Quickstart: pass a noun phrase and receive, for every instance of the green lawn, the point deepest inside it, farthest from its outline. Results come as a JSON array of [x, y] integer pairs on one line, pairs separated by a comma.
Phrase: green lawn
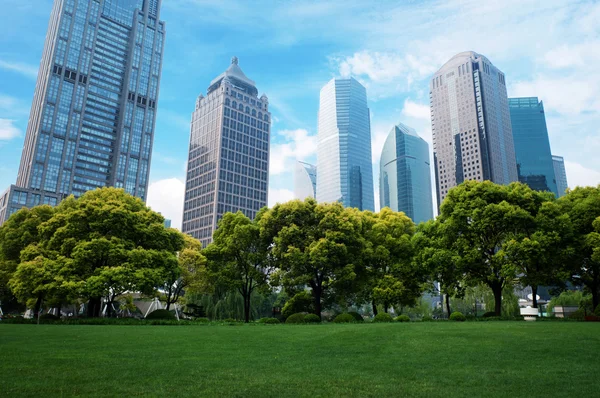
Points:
[[476, 359]]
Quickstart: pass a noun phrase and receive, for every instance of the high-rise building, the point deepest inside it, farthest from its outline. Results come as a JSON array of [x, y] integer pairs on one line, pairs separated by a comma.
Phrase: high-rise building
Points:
[[93, 114], [305, 180], [470, 121], [532, 144], [405, 174], [344, 146], [560, 174], [228, 165]]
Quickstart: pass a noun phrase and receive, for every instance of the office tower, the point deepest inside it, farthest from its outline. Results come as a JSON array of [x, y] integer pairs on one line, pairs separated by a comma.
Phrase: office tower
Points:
[[532, 145], [470, 121], [305, 180], [560, 174], [344, 146], [228, 165], [93, 114], [405, 174]]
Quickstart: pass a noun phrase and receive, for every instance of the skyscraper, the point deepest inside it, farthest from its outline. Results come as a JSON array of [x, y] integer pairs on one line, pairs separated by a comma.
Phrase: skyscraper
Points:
[[560, 174], [532, 144], [344, 146], [228, 165], [305, 180], [93, 114], [405, 174], [470, 121]]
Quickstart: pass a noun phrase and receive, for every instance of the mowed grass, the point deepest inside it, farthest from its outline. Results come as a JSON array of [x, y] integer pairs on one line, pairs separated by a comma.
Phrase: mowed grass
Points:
[[442, 359]]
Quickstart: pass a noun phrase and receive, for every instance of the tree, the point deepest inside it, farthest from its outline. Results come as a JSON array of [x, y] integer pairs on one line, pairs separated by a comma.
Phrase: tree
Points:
[[479, 218], [238, 258], [583, 207], [315, 245]]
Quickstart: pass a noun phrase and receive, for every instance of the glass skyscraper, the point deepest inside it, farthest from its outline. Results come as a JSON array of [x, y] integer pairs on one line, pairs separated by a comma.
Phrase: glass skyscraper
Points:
[[470, 121], [228, 165], [93, 114], [561, 175], [532, 144], [405, 174], [305, 180], [344, 146]]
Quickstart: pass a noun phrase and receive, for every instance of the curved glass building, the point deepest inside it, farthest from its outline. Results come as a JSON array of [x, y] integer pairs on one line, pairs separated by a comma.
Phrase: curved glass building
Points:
[[344, 146], [305, 180], [405, 174]]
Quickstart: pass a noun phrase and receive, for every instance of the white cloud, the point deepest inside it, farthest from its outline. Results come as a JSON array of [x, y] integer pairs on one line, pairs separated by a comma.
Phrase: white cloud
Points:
[[279, 196], [166, 197], [581, 176], [298, 144], [21, 68], [417, 111], [8, 130]]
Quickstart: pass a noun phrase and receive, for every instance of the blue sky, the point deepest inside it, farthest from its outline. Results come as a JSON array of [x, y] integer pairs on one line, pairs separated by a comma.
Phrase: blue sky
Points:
[[546, 48]]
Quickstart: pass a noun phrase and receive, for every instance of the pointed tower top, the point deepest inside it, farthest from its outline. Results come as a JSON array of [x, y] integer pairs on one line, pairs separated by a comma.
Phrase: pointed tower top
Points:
[[235, 60]]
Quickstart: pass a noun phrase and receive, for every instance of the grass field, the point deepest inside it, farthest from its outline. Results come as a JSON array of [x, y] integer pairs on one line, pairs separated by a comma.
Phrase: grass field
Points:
[[476, 359]]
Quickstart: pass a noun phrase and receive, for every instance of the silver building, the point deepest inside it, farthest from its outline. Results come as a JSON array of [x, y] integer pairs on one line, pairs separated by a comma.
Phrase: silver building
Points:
[[470, 120], [93, 114], [344, 146], [305, 180], [228, 164], [560, 174]]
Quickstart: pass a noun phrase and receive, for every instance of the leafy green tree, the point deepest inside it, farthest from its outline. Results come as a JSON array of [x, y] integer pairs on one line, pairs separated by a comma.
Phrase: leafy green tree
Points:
[[583, 207], [238, 259], [314, 245]]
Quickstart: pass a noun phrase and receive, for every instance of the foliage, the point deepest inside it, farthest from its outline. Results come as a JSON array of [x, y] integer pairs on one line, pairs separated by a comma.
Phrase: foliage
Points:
[[312, 318], [269, 320], [457, 317], [383, 317], [489, 314], [49, 317], [402, 318], [578, 315], [161, 314], [344, 318], [569, 298], [295, 318], [597, 310], [357, 317], [300, 302]]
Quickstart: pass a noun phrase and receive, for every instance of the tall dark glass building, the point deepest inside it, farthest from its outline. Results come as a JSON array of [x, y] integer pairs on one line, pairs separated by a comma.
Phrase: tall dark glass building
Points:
[[93, 114], [532, 144], [561, 175], [405, 174]]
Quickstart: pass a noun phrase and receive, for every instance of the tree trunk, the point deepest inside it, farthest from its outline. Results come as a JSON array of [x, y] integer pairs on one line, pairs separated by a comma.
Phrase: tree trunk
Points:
[[448, 305], [247, 308], [497, 289], [168, 304], [36, 308], [58, 310], [374, 308], [534, 294], [385, 307], [93, 309], [317, 296]]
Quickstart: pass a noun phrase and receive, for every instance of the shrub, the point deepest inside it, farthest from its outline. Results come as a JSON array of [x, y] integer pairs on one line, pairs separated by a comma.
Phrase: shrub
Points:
[[229, 320], [426, 318], [357, 317], [489, 314], [312, 318], [295, 318], [343, 318], [597, 311], [268, 320], [383, 317], [578, 315], [49, 317], [402, 318], [161, 314], [201, 320], [457, 317], [301, 302]]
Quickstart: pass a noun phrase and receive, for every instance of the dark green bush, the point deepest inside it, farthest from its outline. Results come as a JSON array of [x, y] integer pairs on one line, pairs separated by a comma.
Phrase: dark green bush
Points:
[[578, 315], [458, 317], [49, 317], [161, 314], [201, 320], [489, 314], [229, 320], [357, 317], [312, 318], [295, 318], [597, 311], [402, 318], [426, 318], [344, 318], [383, 317], [268, 320], [301, 302]]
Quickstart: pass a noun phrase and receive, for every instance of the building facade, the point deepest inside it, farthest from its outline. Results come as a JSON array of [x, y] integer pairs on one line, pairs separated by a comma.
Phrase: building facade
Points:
[[405, 174], [560, 174], [228, 164], [470, 121], [305, 180], [93, 113], [344, 146], [532, 144]]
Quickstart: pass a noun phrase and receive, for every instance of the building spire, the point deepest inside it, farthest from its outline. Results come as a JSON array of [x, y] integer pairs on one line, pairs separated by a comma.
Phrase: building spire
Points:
[[235, 60]]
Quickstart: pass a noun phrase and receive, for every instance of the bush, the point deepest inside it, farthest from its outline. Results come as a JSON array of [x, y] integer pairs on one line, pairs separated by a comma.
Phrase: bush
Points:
[[357, 317], [49, 317], [161, 314], [489, 314], [344, 318], [402, 318], [457, 317], [383, 317], [426, 318], [597, 311], [312, 318], [301, 302], [295, 318], [268, 320], [578, 315]]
